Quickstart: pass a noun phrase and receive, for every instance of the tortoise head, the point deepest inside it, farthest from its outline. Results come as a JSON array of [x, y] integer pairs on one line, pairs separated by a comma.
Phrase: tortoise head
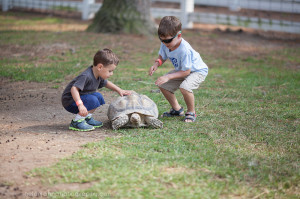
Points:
[[135, 119]]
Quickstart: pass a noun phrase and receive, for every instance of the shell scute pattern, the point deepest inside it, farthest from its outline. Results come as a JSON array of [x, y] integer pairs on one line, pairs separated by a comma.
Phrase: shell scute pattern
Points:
[[134, 103]]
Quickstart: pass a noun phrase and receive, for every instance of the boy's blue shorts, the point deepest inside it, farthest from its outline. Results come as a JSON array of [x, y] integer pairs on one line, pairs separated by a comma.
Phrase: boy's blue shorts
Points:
[[90, 101]]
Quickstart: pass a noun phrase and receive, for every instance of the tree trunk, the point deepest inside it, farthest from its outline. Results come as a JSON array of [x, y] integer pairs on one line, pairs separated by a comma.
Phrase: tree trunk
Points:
[[126, 16]]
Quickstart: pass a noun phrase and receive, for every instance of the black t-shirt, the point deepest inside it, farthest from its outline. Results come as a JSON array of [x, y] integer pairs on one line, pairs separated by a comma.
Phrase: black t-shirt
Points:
[[87, 84]]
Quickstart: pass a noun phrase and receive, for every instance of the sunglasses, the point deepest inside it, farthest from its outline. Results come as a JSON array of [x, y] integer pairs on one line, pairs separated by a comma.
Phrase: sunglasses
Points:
[[169, 40]]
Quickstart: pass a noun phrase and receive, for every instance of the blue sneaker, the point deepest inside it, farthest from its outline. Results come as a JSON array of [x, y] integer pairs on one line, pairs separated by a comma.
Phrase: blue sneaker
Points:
[[80, 125], [91, 121]]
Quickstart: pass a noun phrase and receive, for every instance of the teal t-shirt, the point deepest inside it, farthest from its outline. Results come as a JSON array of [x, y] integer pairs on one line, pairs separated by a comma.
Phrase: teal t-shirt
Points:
[[184, 58]]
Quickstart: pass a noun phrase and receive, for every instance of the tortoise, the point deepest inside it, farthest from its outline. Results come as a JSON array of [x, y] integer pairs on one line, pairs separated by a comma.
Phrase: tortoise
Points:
[[133, 110]]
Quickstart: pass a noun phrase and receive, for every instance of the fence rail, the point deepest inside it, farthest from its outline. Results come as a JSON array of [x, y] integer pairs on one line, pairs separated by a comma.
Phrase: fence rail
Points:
[[88, 8], [41, 4], [288, 6], [250, 22]]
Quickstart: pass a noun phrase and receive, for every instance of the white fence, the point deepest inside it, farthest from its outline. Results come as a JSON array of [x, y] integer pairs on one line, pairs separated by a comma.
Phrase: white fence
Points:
[[40, 4], [288, 6], [88, 8], [249, 22]]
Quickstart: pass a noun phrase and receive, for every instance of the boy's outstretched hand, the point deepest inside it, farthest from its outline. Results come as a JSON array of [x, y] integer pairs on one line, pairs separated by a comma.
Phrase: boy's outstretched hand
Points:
[[117, 89], [152, 69], [124, 92]]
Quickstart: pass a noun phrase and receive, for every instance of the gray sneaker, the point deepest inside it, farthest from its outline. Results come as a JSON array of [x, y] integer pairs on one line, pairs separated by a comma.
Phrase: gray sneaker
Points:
[[80, 125], [91, 121]]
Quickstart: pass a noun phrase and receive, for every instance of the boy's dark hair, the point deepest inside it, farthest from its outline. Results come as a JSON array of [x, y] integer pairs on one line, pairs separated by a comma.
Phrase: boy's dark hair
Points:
[[105, 57], [169, 26]]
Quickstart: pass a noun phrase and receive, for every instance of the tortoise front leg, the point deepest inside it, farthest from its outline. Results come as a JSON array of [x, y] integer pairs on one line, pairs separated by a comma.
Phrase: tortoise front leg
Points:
[[120, 121], [154, 122]]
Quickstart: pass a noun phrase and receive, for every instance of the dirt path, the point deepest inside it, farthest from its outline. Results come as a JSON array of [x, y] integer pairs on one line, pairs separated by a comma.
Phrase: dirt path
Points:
[[34, 133]]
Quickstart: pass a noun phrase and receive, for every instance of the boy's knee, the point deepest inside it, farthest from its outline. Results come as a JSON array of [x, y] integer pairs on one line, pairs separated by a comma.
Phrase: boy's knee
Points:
[[98, 97], [163, 90], [186, 91], [94, 99]]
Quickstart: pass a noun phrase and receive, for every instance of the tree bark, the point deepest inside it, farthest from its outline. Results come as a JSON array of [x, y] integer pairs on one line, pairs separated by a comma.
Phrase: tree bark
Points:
[[124, 16]]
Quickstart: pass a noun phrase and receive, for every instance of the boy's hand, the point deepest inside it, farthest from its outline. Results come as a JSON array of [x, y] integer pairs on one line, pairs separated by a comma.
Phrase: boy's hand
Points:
[[124, 92], [82, 110], [152, 69], [161, 80]]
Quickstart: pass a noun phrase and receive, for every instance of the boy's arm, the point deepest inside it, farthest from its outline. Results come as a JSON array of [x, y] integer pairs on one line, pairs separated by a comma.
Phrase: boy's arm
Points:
[[117, 89], [76, 96], [179, 74], [156, 64]]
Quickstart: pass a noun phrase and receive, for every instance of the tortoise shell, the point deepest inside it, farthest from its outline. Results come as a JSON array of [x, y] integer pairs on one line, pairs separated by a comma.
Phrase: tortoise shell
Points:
[[134, 103]]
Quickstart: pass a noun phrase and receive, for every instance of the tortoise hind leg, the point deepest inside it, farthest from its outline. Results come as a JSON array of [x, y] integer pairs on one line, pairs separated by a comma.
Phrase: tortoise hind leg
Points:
[[120, 121], [154, 122]]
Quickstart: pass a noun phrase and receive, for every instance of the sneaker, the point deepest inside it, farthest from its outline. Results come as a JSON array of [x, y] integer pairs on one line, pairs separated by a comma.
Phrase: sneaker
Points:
[[80, 125], [91, 121]]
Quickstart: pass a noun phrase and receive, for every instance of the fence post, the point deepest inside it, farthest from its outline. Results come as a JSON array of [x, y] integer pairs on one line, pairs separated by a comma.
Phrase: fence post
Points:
[[187, 7], [86, 15], [235, 6], [5, 5]]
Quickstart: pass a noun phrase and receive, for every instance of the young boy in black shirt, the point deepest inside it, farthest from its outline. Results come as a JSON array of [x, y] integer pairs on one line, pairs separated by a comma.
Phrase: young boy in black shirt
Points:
[[80, 96]]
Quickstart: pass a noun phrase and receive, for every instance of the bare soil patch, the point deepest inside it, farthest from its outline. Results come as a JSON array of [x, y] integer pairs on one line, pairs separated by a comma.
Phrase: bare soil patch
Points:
[[34, 133]]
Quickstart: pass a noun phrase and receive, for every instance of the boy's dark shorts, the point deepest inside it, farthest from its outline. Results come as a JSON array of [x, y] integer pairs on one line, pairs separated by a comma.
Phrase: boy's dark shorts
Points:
[[90, 101], [189, 83]]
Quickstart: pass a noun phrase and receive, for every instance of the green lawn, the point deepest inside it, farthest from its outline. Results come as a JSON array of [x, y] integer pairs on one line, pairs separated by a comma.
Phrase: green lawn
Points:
[[244, 144]]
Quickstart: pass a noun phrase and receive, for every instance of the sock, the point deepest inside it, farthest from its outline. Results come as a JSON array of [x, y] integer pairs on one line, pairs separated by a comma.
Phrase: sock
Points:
[[89, 115], [78, 117]]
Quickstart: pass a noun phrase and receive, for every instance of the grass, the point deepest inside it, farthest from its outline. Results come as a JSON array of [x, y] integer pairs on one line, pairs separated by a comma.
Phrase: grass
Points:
[[245, 143]]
